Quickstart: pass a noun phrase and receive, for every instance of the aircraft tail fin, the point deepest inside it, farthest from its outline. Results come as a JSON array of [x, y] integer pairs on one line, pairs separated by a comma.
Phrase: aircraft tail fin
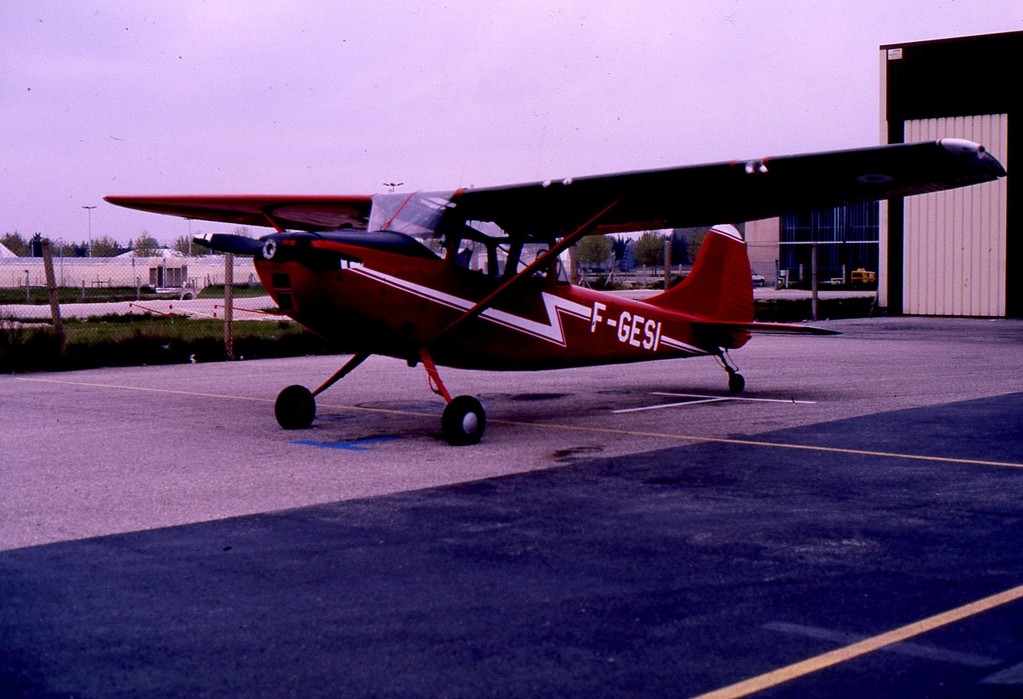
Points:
[[720, 286]]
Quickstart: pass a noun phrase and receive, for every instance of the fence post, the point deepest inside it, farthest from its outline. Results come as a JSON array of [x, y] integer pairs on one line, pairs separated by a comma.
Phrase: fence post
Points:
[[229, 306], [573, 263], [51, 292], [813, 281], [667, 262]]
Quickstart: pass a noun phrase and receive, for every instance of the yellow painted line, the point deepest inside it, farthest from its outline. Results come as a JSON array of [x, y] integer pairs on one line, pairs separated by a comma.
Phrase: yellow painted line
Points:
[[570, 428], [869, 645]]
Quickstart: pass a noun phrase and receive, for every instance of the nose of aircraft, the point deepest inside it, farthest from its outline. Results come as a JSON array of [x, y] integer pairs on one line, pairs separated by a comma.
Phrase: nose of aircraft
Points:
[[229, 242]]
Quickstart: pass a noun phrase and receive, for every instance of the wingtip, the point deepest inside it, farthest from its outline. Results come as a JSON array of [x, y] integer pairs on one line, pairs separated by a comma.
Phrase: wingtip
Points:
[[971, 150]]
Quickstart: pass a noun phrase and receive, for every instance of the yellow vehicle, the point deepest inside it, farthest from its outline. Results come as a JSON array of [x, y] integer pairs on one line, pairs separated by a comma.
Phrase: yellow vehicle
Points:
[[863, 277]]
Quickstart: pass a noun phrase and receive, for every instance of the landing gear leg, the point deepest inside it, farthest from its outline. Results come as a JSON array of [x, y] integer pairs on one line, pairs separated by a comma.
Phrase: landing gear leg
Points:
[[295, 407], [464, 419], [736, 383]]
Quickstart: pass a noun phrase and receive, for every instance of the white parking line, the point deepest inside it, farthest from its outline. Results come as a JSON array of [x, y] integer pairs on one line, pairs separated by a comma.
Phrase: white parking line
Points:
[[1011, 675], [697, 399], [917, 650]]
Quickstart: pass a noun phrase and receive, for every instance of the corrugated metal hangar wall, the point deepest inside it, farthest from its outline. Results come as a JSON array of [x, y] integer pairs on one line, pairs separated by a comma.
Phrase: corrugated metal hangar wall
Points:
[[953, 253]]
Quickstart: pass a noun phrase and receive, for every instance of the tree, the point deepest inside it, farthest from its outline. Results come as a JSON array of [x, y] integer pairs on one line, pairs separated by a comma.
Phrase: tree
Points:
[[650, 249], [105, 246], [595, 250], [694, 241], [186, 246], [63, 248], [16, 244], [146, 246], [679, 249]]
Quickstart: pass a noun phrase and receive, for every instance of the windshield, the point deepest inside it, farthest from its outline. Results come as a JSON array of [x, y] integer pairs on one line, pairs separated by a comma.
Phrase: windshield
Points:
[[416, 214]]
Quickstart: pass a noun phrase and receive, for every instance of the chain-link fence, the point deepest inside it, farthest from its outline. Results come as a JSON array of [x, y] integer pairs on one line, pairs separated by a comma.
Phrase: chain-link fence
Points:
[[66, 313]]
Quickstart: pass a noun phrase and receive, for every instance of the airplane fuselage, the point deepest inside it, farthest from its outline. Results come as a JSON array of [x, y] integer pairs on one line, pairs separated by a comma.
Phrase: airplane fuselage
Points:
[[394, 304]]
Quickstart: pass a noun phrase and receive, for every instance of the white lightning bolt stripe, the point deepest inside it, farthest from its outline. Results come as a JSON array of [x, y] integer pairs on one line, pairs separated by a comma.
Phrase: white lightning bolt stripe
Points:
[[551, 331], [415, 289], [675, 344]]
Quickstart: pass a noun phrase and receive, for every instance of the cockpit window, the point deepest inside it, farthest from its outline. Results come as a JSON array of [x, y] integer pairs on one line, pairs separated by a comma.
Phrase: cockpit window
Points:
[[415, 214], [496, 255]]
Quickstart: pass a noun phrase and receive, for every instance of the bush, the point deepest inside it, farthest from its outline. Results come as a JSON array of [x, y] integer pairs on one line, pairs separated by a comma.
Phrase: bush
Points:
[[24, 348], [125, 341], [799, 310]]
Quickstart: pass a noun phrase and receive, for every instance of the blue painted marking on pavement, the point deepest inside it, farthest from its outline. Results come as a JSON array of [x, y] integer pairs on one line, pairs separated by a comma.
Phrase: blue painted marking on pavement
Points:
[[349, 445]]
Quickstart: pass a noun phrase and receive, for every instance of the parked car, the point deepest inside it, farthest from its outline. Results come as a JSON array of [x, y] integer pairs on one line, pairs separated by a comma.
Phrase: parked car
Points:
[[758, 280]]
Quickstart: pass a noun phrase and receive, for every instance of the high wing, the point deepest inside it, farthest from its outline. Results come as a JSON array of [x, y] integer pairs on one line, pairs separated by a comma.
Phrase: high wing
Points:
[[731, 192], [282, 212], [700, 195]]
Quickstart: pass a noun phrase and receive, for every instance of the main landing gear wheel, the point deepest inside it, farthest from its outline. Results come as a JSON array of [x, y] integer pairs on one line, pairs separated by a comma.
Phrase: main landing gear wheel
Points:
[[463, 421], [295, 408]]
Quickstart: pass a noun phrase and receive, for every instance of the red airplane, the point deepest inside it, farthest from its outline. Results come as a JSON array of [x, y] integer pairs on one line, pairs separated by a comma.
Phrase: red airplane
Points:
[[471, 278]]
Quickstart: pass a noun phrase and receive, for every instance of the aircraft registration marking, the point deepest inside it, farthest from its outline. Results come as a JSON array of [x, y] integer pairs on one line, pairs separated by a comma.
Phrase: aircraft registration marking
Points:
[[631, 328]]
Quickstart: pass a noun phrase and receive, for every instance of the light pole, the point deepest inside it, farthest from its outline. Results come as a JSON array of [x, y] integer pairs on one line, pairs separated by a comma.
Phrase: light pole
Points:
[[89, 209]]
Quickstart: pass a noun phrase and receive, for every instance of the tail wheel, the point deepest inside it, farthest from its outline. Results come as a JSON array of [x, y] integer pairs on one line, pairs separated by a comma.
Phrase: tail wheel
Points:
[[736, 383], [463, 421], [295, 408]]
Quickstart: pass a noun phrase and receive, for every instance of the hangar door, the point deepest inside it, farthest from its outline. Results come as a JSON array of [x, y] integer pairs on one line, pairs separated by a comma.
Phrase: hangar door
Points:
[[955, 259]]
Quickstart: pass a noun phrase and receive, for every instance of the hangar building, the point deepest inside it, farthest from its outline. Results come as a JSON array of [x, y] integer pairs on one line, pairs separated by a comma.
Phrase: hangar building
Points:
[[955, 253]]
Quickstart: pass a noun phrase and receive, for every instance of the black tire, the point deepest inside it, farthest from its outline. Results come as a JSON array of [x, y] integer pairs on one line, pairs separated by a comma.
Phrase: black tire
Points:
[[295, 408], [463, 421], [736, 384]]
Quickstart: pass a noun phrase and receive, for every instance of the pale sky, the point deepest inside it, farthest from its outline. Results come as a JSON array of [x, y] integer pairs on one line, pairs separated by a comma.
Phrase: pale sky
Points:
[[326, 97]]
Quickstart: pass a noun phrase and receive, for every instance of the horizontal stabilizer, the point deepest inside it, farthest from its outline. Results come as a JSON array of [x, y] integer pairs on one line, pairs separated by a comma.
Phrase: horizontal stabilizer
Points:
[[764, 328], [731, 334]]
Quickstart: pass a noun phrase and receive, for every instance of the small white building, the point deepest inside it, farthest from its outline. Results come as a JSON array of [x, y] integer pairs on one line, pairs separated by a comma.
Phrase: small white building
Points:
[[164, 272]]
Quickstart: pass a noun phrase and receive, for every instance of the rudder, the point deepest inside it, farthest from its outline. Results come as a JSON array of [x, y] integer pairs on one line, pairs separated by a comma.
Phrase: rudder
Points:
[[720, 286]]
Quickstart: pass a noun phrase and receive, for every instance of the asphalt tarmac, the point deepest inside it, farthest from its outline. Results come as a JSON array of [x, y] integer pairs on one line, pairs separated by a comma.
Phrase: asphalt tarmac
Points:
[[848, 528]]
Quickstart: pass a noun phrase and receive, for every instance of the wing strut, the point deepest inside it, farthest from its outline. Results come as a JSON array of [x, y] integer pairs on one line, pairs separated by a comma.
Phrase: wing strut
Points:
[[270, 219], [555, 250], [342, 372]]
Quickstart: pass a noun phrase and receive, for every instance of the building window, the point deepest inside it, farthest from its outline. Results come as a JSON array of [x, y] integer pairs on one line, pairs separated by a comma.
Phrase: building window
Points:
[[846, 237]]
